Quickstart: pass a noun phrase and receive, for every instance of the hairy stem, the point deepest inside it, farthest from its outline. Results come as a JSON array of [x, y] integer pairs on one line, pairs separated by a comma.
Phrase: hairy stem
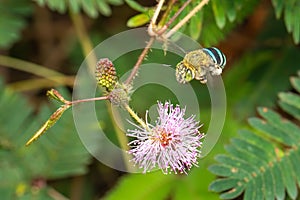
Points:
[[139, 61], [136, 117], [152, 33]]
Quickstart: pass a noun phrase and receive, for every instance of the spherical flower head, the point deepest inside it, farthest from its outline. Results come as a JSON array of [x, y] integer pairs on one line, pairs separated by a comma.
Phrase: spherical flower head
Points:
[[120, 95], [173, 144], [105, 73]]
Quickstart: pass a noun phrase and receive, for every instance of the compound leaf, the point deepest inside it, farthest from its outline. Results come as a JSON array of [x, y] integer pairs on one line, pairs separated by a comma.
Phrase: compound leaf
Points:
[[263, 163]]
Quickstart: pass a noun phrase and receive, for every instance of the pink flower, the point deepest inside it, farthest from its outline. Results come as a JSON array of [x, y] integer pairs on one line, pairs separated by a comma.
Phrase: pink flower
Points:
[[173, 144]]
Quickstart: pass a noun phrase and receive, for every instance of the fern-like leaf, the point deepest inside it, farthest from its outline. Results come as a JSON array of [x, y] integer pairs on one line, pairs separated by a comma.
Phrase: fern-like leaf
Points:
[[227, 14], [217, 19], [58, 156], [211, 24], [91, 7], [291, 15], [263, 163], [12, 20]]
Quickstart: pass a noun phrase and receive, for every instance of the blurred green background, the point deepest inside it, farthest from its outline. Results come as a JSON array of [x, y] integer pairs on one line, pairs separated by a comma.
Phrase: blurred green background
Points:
[[44, 42]]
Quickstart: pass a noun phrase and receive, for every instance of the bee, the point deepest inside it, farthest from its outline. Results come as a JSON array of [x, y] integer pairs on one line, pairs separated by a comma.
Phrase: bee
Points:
[[197, 64]]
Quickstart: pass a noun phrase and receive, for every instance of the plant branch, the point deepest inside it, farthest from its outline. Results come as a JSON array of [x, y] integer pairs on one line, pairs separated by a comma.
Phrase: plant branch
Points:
[[88, 100], [56, 195], [168, 24], [157, 11], [122, 138], [139, 61], [39, 83], [166, 13], [152, 33], [186, 18], [136, 117], [84, 40], [32, 68]]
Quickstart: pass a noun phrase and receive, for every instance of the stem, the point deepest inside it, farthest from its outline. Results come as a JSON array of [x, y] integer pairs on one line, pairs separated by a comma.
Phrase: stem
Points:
[[152, 39], [41, 83], [76, 189], [84, 40], [32, 68], [56, 195], [178, 12], [122, 138], [136, 117], [167, 25], [154, 18], [87, 48], [139, 61], [166, 13], [157, 10], [186, 18], [88, 100]]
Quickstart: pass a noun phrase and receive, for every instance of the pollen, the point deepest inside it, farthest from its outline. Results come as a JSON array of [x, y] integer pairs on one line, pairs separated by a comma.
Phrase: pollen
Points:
[[164, 138]]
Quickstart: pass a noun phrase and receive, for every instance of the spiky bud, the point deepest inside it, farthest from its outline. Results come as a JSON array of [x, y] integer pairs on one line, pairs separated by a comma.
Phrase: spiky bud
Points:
[[106, 74], [120, 95], [54, 94]]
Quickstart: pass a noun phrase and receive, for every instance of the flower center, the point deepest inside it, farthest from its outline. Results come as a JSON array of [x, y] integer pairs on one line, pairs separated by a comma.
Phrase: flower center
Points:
[[164, 137]]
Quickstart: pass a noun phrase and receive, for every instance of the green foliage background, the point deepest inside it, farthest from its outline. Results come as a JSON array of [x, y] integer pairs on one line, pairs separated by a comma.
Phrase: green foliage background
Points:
[[257, 161]]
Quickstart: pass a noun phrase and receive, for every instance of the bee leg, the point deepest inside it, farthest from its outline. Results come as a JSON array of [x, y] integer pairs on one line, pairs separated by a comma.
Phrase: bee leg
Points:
[[203, 79], [201, 75]]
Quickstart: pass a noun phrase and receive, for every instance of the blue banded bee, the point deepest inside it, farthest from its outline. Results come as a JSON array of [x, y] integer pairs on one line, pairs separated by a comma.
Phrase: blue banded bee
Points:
[[197, 64]]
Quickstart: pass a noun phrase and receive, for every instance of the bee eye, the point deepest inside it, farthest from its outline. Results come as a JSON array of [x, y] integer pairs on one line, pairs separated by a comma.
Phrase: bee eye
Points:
[[183, 73], [189, 75]]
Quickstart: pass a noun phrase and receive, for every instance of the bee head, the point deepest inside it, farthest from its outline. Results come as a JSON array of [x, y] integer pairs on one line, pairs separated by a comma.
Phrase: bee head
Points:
[[183, 73]]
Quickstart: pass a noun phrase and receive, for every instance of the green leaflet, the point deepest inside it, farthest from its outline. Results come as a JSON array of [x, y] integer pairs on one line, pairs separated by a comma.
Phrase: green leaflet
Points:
[[48, 158], [12, 20], [91, 7], [291, 13], [136, 6], [210, 25], [262, 163], [219, 8], [138, 20], [196, 25]]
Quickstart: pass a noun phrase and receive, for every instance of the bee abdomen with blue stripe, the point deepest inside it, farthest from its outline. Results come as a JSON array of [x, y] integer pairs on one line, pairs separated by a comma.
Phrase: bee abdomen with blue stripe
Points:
[[217, 56]]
